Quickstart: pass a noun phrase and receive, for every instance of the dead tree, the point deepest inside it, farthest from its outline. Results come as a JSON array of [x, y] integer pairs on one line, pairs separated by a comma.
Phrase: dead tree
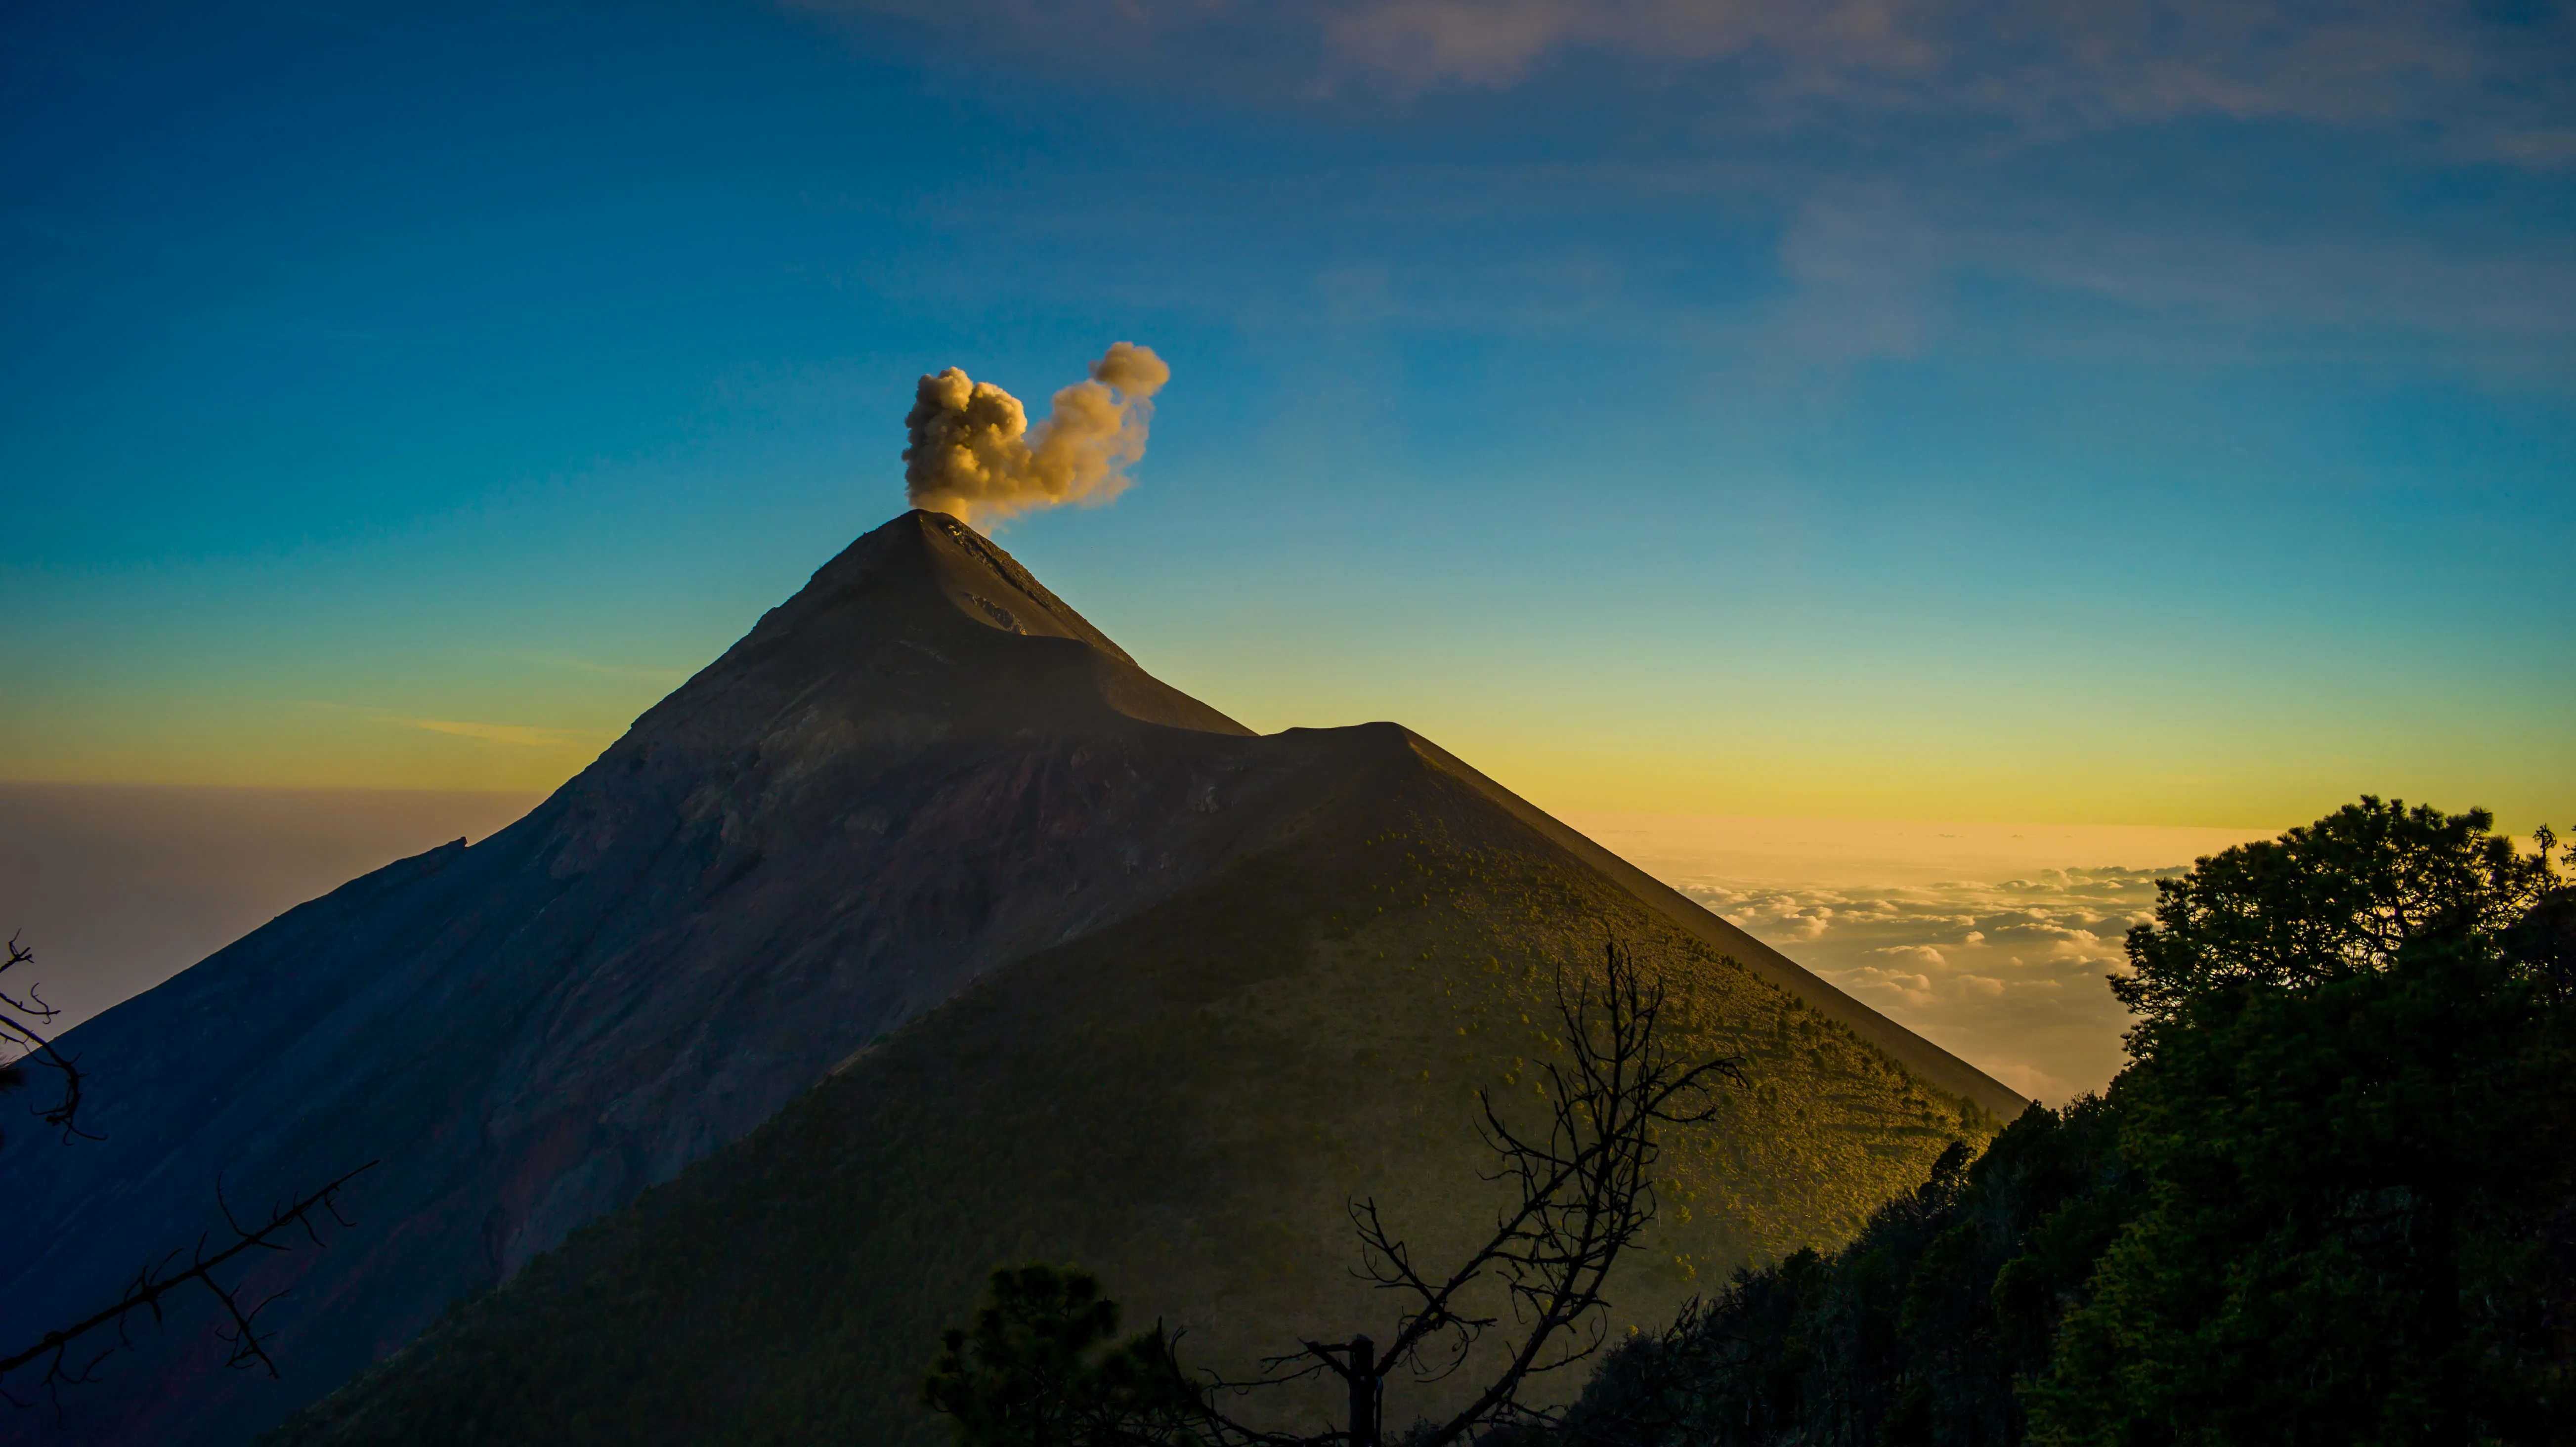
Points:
[[63, 1351], [66, 1352], [25, 1020], [1584, 1188]]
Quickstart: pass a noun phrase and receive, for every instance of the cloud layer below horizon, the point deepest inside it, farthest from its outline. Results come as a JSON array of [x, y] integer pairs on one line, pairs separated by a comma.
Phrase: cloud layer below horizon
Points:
[[1962, 932], [2007, 973], [1951, 929]]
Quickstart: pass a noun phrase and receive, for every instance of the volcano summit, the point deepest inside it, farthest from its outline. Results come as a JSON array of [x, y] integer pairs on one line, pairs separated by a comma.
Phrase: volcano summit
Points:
[[921, 931]]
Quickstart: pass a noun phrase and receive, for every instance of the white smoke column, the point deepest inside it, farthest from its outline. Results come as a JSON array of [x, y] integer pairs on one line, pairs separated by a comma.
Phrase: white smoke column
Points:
[[973, 453]]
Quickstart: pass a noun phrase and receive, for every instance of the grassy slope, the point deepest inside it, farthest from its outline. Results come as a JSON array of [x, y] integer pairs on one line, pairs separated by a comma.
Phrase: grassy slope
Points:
[[1184, 1103]]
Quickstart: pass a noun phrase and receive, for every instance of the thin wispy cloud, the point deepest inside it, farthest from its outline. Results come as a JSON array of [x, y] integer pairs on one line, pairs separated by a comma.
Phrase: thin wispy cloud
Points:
[[525, 736], [1827, 269], [1792, 186], [2372, 61], [642, 674], [517, 735], [2493, 77], [1872, 265]]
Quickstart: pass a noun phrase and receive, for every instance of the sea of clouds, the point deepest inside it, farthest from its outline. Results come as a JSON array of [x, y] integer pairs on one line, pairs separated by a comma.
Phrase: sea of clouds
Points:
[[2012, 973], [1995, 941]]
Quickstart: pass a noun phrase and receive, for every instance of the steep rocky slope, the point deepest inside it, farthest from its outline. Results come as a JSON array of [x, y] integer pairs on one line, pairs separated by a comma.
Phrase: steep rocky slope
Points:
[[1184, 1101], [921, 769]]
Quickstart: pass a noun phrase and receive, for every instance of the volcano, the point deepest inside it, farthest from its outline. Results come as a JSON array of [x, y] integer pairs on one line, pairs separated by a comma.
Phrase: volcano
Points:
[[922, 931]]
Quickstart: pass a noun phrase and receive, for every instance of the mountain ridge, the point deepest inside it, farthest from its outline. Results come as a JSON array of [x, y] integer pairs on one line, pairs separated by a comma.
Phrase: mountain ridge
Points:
[[1185, 1102], [920, 768]]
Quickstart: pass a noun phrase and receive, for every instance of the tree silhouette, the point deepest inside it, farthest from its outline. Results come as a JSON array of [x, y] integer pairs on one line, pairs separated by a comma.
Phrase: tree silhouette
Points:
[[1583, 1188], [1037, 1369], [70, 1355], [2352, 1103], [25, 1040]]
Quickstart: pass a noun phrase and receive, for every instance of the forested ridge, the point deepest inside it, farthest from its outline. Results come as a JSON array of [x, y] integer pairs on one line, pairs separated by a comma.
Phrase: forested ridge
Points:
[[2332, 1199]]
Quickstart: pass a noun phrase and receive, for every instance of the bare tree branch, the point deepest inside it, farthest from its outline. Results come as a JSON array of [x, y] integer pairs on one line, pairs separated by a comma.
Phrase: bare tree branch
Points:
[[1584, 1190], [157, 1280], [23, 1042]]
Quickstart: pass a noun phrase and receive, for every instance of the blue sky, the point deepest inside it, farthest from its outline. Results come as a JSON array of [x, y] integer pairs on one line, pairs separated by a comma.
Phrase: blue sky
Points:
[[2153, 414]]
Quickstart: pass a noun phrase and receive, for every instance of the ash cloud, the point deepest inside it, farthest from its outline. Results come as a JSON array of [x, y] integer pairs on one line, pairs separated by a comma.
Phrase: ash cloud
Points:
[[971, 450]]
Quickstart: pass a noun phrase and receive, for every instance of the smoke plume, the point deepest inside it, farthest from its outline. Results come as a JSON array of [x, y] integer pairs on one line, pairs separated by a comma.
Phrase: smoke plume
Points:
[[973, 453]]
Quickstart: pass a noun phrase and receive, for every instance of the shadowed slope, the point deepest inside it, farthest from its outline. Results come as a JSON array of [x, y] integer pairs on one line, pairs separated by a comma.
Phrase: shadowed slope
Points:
[[1184, 1101], [920, 768], [1936, 1067], [922, 765]]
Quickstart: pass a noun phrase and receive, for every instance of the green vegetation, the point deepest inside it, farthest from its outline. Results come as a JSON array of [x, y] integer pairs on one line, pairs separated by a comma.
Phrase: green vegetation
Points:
[[1038, 1368], [2333, 1200], [1917, 1332], [2352, 1106], [1184, 1101]]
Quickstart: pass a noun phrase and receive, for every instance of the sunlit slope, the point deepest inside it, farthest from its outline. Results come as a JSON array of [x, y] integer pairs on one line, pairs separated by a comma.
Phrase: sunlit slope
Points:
[[1183, 1101]]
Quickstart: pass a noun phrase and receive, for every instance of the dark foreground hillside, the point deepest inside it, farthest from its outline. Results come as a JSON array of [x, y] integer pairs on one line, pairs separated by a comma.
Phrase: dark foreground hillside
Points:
[[2331, 1201], [1183, 1101]]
